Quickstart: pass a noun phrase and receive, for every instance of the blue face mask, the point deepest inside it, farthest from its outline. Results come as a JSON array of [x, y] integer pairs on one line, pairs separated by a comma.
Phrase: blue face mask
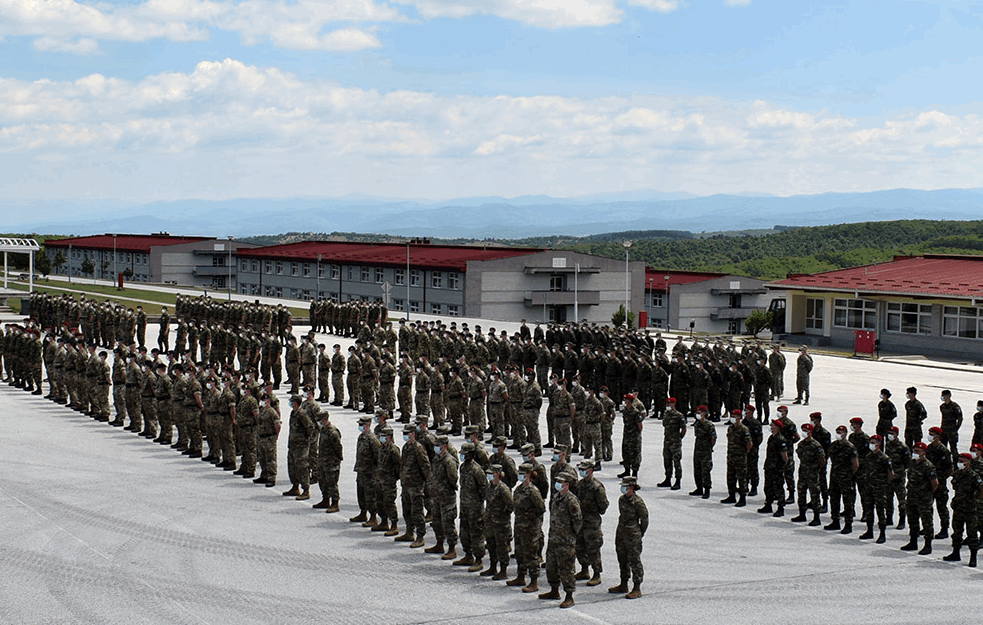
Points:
[[361, 428], [624, 490], [522, 477], [406, 438], [582, 473], [383, 439], [490, 478], [556, 457], [463, 458], [558, 486], [436, 449]]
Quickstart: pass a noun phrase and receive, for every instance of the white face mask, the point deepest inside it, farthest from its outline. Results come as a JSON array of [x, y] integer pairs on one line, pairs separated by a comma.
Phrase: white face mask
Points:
[[361, 428], [841, 436], [436, 449], [558, 486], [406, 438], [490, 478], [892, 437], [522, 477], [872, 446], [915, 456]]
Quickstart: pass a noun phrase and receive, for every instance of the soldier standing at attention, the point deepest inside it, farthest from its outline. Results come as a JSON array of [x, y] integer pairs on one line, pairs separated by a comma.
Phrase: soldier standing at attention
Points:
[[967, 485], [915, 415], [500, 457], [247, 412], [163, 333], [561, 548], [674, 429], [267, 431], [705, 435], [978, 424], [540, 477], [141, 326], [844, 465], [757, 437], [498, 523], [791, 435], [886, 413], [529, 509], [414, 473], [591, 432], [738, 446], [444, 477], [877, 474], [776, 459], [387, 471], [532, 402], [811, 458], [607, 423], [366, 458], [593, 504], [952, 420], [938, 455], [337, 376], [564, 409], [329, 457], [323, 374], [776, 364], [633, 522], [633, 418], [900, 457], [822, 435], [472, 488], [298, 451], [922, 483], [803, 369]]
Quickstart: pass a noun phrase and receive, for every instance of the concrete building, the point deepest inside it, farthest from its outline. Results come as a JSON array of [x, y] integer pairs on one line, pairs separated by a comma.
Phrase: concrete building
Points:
[[930, 304], [158, 258], [713, 302], [501, 283]]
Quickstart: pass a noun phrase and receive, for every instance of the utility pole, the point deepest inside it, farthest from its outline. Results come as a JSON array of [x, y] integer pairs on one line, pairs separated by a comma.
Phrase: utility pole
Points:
[[115, 272], [627, 245], [576, 286]]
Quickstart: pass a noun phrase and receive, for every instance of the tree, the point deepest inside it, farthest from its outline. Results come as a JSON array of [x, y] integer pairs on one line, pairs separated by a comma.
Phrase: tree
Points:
[[59, 261], [618, 317], [87, 267], [43, 264], [757, 321]]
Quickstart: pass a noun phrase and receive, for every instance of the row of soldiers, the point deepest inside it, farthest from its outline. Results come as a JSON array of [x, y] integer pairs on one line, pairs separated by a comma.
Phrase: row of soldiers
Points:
[[345, 319], [104, 323], [274, 319]]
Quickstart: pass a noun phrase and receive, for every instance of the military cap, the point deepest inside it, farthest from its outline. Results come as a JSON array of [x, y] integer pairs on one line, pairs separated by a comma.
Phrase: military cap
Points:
[[841, 428], [565, 477], [295, 399], [877, 437], [894, 429], [777, 423], [736, 412], [445, 428], [815, 415], [629, 396], [471, 429], [381, 413], [422, 418], [386, 430], [630, 481], [780, 408], [885, 392], [527, 449], [912, 390], [560, 449], [807, 427], [467, 448], [526, 467], [409, 428], [671, 400], [365, 419], [935, 430], [920, 445], [500, 441], [493, 468], [701, 408], [856, 420], [976, 447], [585, 464], [965, 456], [442, 440]]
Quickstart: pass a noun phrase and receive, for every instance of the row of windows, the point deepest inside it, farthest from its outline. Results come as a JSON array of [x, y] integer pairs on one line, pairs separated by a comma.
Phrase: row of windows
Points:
[[654, 300], [902, 317], [121, 257], [438, 279], [451, 310]]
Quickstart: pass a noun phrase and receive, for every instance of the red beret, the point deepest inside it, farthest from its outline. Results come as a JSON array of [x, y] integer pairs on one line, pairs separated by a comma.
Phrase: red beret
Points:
[[671, 400], [777, 423], [977, 446], [783, 409], [815, 414], [530, 370], [894, 429], [935, 430], [840, 427], [604, 388], [877, 437], [807, 427], [701, 408], [856, 420], [919, 445], [966, 456], [749, 408], [736, 411], [629, 396]]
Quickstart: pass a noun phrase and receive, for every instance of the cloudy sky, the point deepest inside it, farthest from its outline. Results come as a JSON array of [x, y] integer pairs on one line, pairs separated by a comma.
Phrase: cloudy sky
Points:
[[169, 99]]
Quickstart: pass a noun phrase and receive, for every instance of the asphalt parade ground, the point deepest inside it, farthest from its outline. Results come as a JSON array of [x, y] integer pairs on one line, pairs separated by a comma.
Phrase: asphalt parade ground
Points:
[[98, 525]]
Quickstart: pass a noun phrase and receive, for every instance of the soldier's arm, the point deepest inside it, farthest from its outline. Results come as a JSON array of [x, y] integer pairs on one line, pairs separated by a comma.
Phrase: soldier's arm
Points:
[[198, 400], [935, 484], [642, 511], [233, 412], [855, 464]]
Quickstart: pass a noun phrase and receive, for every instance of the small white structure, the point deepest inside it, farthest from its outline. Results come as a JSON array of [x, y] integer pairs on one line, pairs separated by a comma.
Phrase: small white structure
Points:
[[19, 246]]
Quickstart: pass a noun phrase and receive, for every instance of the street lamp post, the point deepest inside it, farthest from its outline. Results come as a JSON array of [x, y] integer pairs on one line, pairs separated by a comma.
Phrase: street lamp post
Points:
[[228, 285], [627, 245], [407, 279], [115, 271], [317, 277], [666, 278], [576, 287]]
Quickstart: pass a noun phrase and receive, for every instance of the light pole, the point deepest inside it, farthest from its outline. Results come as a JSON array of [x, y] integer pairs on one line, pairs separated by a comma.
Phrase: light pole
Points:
[[627, 245], [69, 263], [115, 272], [317, 277], [228, 286], [576, 287], [666, 278], [407, 279]]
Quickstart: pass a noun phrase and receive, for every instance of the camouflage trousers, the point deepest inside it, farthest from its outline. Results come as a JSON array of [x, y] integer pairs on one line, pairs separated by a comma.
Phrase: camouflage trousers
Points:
[[753, 474], [472, 533], [577, 429], [323, 385], [328, 475], [247, 445], [589, 542], [313, 457], [529, 546], [965, 519], [266, 454], [444, 519], [737, 475], [298, 464], [366, 394], [365, 493], [422, 401], [119, 401], [607, 446], [921, 517], [496, 418], [672, 459], [628, 547], [293, 376], [404, 396], [899, 491], [873, 500], [476, 413], [498, 538], [387, 399], [560, 563], [385, 503], [455, 414], [148, 406], [941, 497], [192, 422], [702, 468], [591, 444], [528, 429], [437, 408], [338, 387], [165, 419], [561, 430], [307, 372], [132, 397], [412, 500], [809, 485], [775, 485], [841, 489], [353, 390], [100, 399]]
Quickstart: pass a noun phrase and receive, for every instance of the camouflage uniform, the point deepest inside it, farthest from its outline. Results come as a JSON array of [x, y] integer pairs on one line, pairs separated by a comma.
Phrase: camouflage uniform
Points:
[[919, 502], [738, 442], [529, 509], [674, 427], [329, 458], [498, 524], [366, 459], [591, 433], [444, 480], [266, 434], [298, 448], [705, 437], [966, 485], [811, 458], [561, 547], [472, 488], [633, 521], [841, 479], [593, 504], [414, 472]]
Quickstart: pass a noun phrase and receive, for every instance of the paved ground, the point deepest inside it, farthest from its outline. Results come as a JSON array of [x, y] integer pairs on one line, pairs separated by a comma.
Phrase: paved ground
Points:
[[100, 526]]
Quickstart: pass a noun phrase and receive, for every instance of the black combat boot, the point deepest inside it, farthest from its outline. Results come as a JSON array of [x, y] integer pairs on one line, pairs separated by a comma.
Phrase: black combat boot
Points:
[[741, 501], [663, 484], [780, 512], [869, 533], [955, 555], [731, 498], [765, 509], [675, 486], [973, 548], [881, 539], [815, 522], [927, 548], [912, 543], [834, 524], [902, 517], [847, 527], [753, 492], [801, 517], [942, 533], [706, 493], [635, 593]]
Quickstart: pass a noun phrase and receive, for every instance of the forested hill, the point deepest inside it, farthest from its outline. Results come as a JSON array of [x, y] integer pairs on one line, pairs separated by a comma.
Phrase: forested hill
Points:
[[760, 253]]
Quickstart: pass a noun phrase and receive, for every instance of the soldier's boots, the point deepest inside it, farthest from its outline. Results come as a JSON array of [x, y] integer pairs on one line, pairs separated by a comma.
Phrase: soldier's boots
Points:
[[260, 480], [359, 518], [582, 574], [869, 533], [790, 498], [890, 517], [370, 522], [248, 474], [116, 423], [675, 485], [627, 472], [973, 549], [765, 509], [304, 496], [881, 538], [332, 506], [955, 556], [741, 502], [753, 492], [405, 537], [502, 573], [451, 552], [596, 580], [731, 498], [635, 593], [533, 585], [942, 533], [554, 593], [239, 471], [293, 492], [927, 547], [568, 601], [382, 525], [825, 507], [228, 466], [833, 525], [416, 544], [437, 548], [620, 589], [801, 516], [815, 522], [475, 566], [321, 505], [393, 530], [520, 580], [467, 560], [270, 482], [902, 518], [491, 570], [663, 484], [779, 512]]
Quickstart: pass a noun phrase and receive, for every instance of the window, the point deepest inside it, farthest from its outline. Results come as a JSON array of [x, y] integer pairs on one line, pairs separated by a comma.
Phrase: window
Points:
[[278, 291], [294, 293], [268, 291], [556, 283], [380, 275], [351, 272], [435, 308], [857, 314], [397, 303], [335, 272], [400, 276], [962, 321], [254, 265], [414, 306], [320, 270], [307, 270], [655, 300], [453, 280], [364, 274], [279, 268], [815, 313], [735, 302], [244, 289], [267, 266], [294, 269], [414, 280], [244, 265], [909, 318], [218, 261], [307, 294], [437, 279], [453, 310]]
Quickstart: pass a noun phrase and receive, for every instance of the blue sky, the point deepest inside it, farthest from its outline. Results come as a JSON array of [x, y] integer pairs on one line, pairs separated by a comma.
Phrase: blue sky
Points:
[[437, 98]]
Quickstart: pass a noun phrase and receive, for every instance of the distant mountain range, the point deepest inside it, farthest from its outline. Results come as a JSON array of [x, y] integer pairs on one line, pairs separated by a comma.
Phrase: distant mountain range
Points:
[[490, 217]]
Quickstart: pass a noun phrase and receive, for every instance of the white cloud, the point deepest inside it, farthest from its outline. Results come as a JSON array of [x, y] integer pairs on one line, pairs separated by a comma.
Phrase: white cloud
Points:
[[737, 3], [662, 6], [262, 131], [540, 13], [83, 45]]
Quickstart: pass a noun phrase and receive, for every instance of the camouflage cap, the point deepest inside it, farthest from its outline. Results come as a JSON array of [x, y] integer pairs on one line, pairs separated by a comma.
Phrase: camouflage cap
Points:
[[560, 449], [386, 430], [442, 440], [494, 468], [565, 477], [471, 429], [527, 449], [526, 467], [365, 419], [467, 448], [630, 481], [585, 465], [501, 441], [422, 418]]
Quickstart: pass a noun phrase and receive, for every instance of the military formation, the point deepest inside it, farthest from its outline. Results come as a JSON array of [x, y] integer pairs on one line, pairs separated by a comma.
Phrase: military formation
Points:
[[212, 397]]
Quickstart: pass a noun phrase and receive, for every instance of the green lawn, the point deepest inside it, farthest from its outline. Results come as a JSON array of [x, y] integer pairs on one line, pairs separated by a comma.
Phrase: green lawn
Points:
[[150, 309]]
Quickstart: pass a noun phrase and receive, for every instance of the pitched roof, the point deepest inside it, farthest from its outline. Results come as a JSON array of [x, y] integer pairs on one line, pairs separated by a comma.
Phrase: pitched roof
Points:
[[453, 257], [655, 279], [124, 242], [928, 275]]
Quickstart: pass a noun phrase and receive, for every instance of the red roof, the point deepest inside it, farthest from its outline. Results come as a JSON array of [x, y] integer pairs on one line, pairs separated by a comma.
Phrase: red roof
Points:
[[655, 279], [928, 275], [390, 254], [124, 242]]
